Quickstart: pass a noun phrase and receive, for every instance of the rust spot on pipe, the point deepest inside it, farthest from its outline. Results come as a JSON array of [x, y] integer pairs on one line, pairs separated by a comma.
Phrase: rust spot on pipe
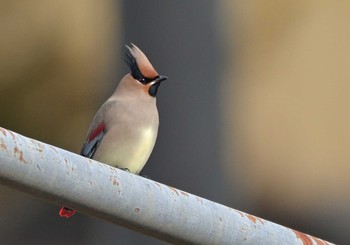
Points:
[[3, 131], [18, 153], [38, 147], [13, 135], [114, 181], [21, 157], [261, 220], [309, 240], [160, 187], [3, 145], [319, 241], [137, 210], [254, 219], [173, 189], [303, 237], [251, 218], [184, 193], [240, 213]]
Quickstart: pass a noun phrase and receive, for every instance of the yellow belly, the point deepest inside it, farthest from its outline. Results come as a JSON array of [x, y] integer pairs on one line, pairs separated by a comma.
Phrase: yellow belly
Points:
[[140, 155], [131, 153]]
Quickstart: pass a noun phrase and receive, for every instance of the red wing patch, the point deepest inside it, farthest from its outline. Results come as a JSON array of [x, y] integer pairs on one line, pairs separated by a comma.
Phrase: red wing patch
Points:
[[97, 131]]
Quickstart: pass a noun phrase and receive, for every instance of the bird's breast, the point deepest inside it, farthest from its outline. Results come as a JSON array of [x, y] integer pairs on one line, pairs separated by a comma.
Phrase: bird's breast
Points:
[[127, 149], [147, 141], [137, 155]]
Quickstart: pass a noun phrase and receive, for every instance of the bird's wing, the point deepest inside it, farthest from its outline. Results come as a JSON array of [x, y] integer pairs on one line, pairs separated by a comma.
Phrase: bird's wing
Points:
[[97, 131], [93, 140]]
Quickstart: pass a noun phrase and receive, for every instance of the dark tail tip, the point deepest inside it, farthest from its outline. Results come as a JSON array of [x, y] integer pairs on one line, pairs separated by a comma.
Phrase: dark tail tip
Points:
[[66, 212]]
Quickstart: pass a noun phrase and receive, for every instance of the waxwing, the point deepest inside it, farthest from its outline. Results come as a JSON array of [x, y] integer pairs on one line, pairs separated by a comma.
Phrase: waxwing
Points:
[[124, 130]]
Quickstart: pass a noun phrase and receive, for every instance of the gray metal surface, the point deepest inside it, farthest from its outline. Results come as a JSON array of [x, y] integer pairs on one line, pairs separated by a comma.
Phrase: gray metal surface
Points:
[[101, 191]]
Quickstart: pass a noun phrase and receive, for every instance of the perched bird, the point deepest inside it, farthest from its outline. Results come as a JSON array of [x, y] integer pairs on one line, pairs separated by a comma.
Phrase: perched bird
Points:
[[124, 130]]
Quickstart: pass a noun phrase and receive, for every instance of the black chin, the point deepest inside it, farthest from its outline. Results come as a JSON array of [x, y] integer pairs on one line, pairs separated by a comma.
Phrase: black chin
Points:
[[153, 90]]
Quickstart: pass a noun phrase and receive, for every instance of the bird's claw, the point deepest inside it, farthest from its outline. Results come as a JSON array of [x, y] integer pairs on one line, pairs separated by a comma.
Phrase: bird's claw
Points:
[[146, 176], [125, 169]]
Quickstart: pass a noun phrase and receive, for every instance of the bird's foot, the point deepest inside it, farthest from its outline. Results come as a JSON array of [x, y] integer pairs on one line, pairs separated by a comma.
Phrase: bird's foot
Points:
[[124, 169], [146, 176]]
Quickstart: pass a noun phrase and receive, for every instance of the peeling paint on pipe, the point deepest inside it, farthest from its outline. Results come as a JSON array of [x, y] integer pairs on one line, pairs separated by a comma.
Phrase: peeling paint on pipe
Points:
[[143, 205]]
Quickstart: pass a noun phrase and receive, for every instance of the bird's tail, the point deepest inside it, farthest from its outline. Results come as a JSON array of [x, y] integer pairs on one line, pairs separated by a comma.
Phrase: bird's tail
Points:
[[66, 212]]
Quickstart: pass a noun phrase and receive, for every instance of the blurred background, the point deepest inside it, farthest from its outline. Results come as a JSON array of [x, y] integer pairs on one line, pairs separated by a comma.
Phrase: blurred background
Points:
[[254, 114]]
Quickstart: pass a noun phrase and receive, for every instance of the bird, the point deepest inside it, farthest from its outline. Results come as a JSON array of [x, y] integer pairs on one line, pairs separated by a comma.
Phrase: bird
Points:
[[124, 130]]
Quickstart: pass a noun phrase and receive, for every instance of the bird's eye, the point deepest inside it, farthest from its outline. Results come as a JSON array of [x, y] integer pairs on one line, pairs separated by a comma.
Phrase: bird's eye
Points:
[[142, 80]]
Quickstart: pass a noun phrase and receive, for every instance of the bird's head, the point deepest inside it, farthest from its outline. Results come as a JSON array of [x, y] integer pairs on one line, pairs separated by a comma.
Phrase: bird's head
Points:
[[142, 71]]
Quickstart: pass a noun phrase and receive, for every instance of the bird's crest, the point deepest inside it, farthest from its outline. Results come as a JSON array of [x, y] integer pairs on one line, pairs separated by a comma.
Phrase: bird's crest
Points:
[[138, 63]]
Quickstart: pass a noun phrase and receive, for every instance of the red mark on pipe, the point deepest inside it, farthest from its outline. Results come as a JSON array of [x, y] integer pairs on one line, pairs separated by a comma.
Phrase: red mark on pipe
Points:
[[184, 193], [21, 157], [319, 241], [18, 153], [38, 145], [13, 136], [240, 213], [3, 131], [308, 240], [254, 219], [261, 220], [114, 181], [3, 146], [174, 190], [251, 218]]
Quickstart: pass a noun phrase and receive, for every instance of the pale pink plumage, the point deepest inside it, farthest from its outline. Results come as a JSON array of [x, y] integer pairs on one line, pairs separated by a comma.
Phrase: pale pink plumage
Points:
[[124, 130]]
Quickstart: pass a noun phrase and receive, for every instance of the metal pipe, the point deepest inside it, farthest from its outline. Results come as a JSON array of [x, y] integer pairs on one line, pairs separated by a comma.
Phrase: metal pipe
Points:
[[107, 193]]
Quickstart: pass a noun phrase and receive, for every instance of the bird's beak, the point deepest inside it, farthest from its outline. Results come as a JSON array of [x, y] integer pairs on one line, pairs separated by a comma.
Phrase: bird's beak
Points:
[[161, 79]]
